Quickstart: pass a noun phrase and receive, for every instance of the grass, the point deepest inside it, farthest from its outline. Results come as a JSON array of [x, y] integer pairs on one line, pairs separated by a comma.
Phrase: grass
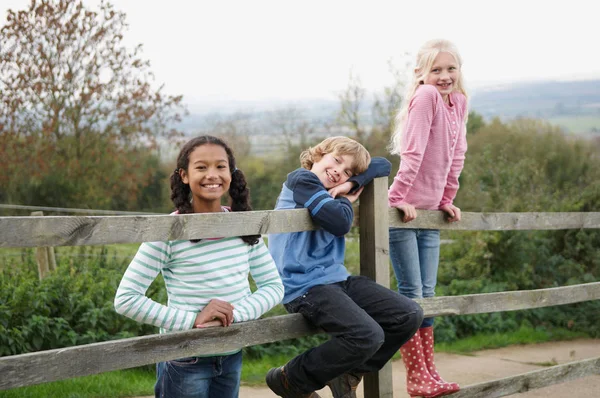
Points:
[[140, 382], [254, 370], [524, 335], [121, 383]]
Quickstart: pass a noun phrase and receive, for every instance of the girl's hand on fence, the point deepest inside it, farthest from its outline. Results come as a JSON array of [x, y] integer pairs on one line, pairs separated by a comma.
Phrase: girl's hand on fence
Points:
[[209, 324], [341, 189], [452, 211], [354, 196], [215, 310], [409, 212]]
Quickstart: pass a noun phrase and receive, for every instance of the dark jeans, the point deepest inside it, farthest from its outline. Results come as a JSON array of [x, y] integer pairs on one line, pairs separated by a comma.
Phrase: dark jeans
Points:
[[367, 324]]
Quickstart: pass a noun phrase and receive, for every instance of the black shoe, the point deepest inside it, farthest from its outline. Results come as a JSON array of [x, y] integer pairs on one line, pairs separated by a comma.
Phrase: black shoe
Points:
[[344, 386], [278, 383]]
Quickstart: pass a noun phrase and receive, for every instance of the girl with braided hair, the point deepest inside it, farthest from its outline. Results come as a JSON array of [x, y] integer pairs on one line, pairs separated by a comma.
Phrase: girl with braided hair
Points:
[[207, 279]]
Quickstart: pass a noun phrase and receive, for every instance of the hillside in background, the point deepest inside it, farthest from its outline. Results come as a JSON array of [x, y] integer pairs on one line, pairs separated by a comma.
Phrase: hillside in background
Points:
[[573, 105], [540, 100]]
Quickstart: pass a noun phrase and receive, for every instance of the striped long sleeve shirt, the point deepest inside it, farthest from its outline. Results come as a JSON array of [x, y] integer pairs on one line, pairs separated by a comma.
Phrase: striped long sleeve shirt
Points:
[[194, 274], [434, 143]]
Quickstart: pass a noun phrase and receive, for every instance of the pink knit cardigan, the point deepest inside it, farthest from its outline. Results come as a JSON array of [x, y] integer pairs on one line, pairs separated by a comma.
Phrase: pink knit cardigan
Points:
[[434, 143]]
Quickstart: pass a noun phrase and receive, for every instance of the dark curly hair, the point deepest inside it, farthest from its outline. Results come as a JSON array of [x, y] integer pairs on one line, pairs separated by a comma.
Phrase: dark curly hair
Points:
[[238, 189]]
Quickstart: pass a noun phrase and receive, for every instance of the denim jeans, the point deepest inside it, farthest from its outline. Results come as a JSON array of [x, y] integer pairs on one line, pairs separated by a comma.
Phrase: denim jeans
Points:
[[199, 377], [415, 255], [367, 324]]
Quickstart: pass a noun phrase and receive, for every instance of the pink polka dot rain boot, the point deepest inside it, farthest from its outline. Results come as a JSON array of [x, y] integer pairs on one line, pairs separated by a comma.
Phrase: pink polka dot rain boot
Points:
[[419, 382], [427, 342]]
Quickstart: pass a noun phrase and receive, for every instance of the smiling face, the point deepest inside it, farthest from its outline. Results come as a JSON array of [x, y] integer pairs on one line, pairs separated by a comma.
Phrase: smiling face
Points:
[[333, 169], [208, 176], [444, 74]]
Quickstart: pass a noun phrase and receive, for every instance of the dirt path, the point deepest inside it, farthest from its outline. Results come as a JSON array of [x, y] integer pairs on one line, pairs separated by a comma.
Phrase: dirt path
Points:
[[488, 365]]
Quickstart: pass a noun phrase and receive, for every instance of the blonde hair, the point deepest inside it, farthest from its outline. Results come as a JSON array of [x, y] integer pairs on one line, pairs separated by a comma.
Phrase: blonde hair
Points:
[[340, 146], [425, 59]]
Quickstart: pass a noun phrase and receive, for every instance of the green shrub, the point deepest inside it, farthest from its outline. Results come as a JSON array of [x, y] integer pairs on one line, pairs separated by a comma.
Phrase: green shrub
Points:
[[72, 306]]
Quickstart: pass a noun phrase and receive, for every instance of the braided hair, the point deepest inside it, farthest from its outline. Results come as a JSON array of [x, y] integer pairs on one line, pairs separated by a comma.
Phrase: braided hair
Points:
[[238, 189]]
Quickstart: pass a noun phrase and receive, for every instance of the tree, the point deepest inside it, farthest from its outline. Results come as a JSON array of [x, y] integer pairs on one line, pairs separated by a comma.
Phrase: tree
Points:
[[235, 130], [474, 123], [375, 133], [76, 102], [291, 125], [351, 102]]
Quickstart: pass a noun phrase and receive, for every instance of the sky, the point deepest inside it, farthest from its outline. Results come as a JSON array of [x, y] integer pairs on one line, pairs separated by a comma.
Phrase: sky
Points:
[[260, 50]]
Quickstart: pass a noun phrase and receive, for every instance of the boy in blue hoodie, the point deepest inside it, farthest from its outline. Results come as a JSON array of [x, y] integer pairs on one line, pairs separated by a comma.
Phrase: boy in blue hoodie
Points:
[[367, 322]]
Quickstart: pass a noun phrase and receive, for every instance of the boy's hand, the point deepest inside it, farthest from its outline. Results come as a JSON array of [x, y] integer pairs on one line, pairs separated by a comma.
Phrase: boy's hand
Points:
[[341, 189], [353, 197], [452, 211], [215, 310], [409, 211]]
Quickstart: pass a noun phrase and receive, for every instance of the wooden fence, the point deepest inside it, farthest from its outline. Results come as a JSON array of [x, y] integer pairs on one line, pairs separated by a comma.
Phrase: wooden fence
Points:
[[374, 220]]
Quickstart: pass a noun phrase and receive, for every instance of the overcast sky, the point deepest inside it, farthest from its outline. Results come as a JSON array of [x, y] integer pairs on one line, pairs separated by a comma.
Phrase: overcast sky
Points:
[[252, 50]]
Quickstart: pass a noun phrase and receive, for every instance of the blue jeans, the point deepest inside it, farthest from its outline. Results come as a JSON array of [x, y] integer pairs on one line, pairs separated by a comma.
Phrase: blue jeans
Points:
[[415, 255], [367, 324], [199, 377]]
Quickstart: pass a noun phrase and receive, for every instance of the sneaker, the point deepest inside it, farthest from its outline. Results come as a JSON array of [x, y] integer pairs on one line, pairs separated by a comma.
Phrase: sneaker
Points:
[[344, 386], [278, 383]]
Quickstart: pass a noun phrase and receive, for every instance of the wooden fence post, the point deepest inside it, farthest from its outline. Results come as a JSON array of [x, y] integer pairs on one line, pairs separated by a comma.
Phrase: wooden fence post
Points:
[[374, 263], [44, 255]]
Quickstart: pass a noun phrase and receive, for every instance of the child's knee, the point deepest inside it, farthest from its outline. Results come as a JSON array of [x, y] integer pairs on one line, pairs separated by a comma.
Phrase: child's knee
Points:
[[409, 319], [374, 340], [419, 316], [366, 342]]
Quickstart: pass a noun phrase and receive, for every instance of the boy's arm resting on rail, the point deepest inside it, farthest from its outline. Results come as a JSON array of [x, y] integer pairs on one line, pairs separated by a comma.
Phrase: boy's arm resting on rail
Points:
[[333, 215], [379, 167]]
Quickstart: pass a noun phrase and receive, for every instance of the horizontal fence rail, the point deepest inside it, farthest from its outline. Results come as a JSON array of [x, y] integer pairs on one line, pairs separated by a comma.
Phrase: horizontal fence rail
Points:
[[59, 364], [68, 210], [99, 230], [531, 380], [509, 301], [499, 221]]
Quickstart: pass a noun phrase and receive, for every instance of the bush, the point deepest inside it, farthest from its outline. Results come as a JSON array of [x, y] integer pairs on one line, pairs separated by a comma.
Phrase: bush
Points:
[[72, 306], [524, 165]]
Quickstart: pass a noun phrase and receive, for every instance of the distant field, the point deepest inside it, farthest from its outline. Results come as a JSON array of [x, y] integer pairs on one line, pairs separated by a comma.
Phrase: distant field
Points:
[[578, 124]]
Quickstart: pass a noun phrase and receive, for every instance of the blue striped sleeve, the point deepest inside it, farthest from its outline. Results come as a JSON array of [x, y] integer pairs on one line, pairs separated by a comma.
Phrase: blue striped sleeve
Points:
[[379, 167]]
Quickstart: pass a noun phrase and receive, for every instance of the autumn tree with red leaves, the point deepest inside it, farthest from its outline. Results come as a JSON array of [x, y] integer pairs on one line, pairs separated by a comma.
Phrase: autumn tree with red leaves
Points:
[[80, 117]]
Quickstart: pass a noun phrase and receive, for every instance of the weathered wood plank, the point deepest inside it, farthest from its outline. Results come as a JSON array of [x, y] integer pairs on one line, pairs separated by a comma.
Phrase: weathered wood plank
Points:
[[41, 254], [52, 365], [374, 263], [96, 230], [509, 301], [374, 232], [531, 380], [499, 221]]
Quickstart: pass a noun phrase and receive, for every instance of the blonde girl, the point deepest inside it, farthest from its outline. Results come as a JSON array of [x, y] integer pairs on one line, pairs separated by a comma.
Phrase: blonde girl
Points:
[[430, 137]]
